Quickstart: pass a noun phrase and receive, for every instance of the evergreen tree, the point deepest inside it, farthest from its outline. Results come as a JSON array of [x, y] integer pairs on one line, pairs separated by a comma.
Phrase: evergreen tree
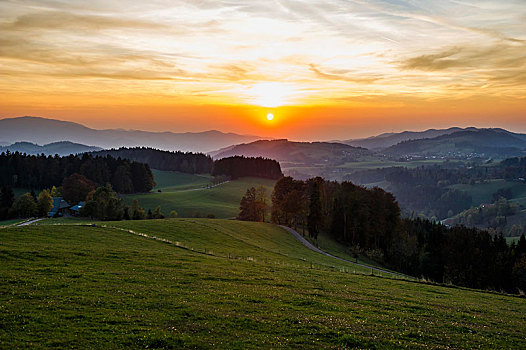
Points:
[[247, 206], [314, 219], [7, 197]]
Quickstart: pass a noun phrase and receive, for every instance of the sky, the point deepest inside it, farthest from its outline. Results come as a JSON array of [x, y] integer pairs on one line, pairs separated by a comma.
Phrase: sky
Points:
[[325, 69]]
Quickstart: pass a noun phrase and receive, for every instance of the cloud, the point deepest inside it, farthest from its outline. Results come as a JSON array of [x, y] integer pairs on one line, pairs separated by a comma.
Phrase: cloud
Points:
[[61, 20], [353, 77], [497, 56], [330, 48]]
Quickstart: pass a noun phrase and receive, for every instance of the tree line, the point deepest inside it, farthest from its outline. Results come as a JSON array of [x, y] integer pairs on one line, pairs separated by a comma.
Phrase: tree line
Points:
[[425, 190], [38, 172], [25, 206], [368, 221], [104, 204], [185, 162], [240, 166]]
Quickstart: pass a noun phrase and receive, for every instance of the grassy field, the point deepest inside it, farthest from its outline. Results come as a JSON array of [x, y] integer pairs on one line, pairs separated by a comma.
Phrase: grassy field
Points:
[[175, 181], [221, 201], [375, 163], [482, 193], [102, 287], [5, 223], [511, 240]]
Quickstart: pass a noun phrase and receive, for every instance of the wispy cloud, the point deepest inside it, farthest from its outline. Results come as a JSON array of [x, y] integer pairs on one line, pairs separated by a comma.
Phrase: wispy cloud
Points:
[[335, 50]]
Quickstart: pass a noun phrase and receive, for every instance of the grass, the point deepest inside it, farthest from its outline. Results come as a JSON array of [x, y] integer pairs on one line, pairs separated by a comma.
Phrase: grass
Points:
[[483, 192], [221, 201], [511, 240], [64, 220], [175, 181], [375, 163], [97, 287], [11, 222]]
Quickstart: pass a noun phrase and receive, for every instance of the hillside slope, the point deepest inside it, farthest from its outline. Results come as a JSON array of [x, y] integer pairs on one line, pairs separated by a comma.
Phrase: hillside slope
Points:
[[484, 143], [295, 152], [224, 284], [193, 198], [390, 139], [62, 148]]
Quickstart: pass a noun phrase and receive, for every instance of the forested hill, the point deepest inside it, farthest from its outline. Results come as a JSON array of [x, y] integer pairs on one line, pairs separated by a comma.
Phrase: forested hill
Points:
[[390, 139], [38, 172], [62, 148], [185, 162], [239, 166], [479, 143], [295, 152], [368, 221]]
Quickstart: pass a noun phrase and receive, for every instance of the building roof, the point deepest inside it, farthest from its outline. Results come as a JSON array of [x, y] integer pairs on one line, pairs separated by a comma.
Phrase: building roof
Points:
[[58, 203], [77, 207]]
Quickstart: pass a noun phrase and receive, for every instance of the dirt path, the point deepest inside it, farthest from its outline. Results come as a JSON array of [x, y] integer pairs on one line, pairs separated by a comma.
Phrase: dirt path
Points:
[[306, 243], [203, 188], [29, 222]]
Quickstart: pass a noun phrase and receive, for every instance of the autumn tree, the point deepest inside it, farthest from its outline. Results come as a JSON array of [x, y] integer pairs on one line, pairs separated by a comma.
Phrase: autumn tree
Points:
[[76, 187], [136, 212], [44, 203], [157, 214], [253, 205]]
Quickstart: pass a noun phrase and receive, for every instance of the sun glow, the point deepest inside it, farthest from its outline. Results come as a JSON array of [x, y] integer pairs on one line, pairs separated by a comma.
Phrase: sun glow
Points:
[[270, 116], [271, 94]]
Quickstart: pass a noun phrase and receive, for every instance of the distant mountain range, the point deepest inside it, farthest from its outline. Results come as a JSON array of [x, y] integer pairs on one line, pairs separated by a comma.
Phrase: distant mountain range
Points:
[[44, 131], [448, 143], [25, 134], [390, 139], [62, 148], [321, 153], [472, 142]]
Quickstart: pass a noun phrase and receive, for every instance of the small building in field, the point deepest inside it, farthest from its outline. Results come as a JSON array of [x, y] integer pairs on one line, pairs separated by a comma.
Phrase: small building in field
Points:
[[60, 207], [75, 210]]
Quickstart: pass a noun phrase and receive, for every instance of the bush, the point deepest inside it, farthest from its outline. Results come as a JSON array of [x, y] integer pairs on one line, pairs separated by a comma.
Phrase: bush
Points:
[[25, 206]]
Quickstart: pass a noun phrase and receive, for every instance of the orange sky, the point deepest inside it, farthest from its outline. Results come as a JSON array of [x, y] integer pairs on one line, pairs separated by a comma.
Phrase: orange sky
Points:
[[326, 69]]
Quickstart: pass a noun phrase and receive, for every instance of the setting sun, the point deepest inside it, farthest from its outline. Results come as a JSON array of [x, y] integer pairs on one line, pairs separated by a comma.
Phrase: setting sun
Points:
[[270, 116]]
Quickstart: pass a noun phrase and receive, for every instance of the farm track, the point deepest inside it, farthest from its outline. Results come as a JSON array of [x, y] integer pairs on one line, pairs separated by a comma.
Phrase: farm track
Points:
[[306, 243], [30, 222]]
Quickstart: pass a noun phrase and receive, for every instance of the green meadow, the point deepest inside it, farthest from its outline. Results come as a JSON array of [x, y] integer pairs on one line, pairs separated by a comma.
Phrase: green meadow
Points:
[[198, 283], [483, 192], [189, 196], [11, 222]]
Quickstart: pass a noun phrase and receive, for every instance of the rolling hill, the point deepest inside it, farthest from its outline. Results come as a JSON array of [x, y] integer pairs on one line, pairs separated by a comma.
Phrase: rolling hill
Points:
[[62, 148], [390, 139], [224, 284], [42, 131], [476, 143], [191, 195], [284, 151]]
